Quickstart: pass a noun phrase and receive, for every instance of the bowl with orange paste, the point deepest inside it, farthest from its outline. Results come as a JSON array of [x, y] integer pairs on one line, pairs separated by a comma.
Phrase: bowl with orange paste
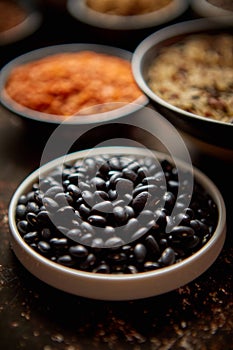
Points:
[[72, 84]]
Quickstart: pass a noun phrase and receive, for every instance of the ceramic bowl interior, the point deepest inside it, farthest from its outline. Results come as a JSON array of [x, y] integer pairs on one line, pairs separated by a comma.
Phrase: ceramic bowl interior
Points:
[[92, 115], [211, 131], [84, 13], [23, 29], [206, 9], [110, 286]]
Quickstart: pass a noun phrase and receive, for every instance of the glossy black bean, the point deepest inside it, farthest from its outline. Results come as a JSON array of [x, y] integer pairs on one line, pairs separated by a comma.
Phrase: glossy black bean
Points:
[[168, 257], [52, 191], [151, 265], [160, 218], [79, 251], [109, 232], [38, 197], [32, 219], [30, 196], [169, 200], [31, 237], [113, 179], [131, 226], [43, 217], [63, 198], [66, 260], [46, 233], [119, 215], [100, 196], [131, 269], [129, 212], [32, 207], [98, 184], [142, 172], [140, 252], [152, 246], [83, 186], [74, 234], [139, 201], [112, 194], [124, 186], [22, 199], [87, 228], [130, 174], [76, 177], [104, 169], [105, 208], [73, 190], [89, 262], [182, 232], [97, 220], [117, 258], [114, 242], [20, 211], [59, 243], [103, 268], [145, 217], [97, 243], [86, 238], [50, 204], [84, 210], [139, 233], [44, 247], [23, 226], [115, 163]]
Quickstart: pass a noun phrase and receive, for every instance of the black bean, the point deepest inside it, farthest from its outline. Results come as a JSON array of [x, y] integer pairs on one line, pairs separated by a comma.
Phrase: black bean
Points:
[[44, 247], [84, 186], [23, 226], [168, 257], [22, 199], [78, 251], [73, 190], [31, 237], [129, 212], [131, 226], [52, 191], [104, 169], [140, 252], [66, 260], [182, 232], [151, 265], [142, 172], [115, 163], [139, 201], [119, 215], [89, 262], [32, 207], [98, 184], [105, 207], [139, 233], [59, 243], [86, 238], [20, 211], [131, 269], [152, 245], [103, 268], [84, 210], [100, 196], [97, 220], [46, 233], [113, 180], [97, 243], [32, 219], [149, 188], [76, 177], [50, 204], [87, 228], [43, 217], [63, 199], [109, 231], [112, 194], [124, 186], [169, 199], [114, 242], [129, 174]]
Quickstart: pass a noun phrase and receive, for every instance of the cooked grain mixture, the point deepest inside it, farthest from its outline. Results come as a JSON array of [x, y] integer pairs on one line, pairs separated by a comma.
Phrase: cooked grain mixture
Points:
[[127, 7], [196, 75], [64, 84]]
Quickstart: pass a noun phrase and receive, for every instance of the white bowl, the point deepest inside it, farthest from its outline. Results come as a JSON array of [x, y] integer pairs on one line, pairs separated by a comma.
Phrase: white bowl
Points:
[[82, 12], [110, 286], [52, 120], [205, 9], [23, 29]]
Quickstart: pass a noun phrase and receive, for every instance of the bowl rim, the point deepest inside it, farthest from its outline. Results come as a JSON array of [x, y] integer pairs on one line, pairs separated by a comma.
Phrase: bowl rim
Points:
[[205, 8], [183, 28], [27, 113], [84, 13], [29, 25], [215, 242]]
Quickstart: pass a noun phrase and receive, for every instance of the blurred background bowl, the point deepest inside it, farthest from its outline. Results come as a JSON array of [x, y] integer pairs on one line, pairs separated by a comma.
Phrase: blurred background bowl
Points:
[[21, 19], [124, 30], [209, 8], [93, 116], [205, 134]]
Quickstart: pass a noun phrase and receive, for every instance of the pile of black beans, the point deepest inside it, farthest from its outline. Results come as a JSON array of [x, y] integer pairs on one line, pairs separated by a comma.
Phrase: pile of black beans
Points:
[[115, 214]]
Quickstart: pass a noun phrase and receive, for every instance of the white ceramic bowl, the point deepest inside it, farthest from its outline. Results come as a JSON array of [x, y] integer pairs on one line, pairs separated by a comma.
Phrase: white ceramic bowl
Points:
[[110, 286], [23, 29], [82, 12], [51, 121], [205, 9]]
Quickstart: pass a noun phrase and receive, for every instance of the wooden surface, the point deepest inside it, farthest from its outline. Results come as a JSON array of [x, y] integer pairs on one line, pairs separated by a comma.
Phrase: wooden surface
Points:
[[198, 316]]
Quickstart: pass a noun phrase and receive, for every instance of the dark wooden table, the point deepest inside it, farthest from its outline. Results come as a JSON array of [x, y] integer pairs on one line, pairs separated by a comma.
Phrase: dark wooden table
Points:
[[33, 315]]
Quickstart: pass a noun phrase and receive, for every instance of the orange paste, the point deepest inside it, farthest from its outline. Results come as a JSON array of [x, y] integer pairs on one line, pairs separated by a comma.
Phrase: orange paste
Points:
[[64, 84]]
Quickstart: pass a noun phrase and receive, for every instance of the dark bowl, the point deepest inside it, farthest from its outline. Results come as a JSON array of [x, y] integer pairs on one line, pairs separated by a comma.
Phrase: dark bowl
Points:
[[211, 132]]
